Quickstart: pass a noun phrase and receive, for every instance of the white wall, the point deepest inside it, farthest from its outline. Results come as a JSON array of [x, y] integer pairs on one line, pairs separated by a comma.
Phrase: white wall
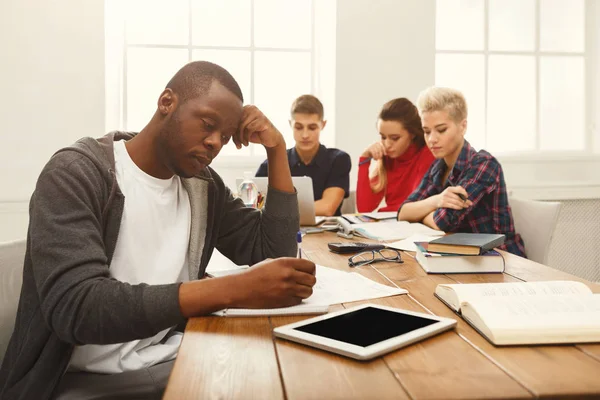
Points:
[[52, 80], [385, 49]]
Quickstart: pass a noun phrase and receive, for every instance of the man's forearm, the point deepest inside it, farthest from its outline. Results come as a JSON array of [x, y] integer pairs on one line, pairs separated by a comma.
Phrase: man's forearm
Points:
[[324, 208], [329, 203], [280, 176], [206, 296]]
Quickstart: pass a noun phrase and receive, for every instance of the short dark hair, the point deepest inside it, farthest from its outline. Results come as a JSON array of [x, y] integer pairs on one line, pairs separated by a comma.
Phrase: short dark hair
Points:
[[307, 104], [404, 111], [194, 79]]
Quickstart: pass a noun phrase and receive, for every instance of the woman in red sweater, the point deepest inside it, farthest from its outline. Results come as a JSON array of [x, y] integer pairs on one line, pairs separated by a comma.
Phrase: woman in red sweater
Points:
[[401, 156]]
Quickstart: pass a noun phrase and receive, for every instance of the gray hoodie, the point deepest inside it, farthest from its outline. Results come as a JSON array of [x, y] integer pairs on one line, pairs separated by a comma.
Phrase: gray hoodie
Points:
[[68, 297]]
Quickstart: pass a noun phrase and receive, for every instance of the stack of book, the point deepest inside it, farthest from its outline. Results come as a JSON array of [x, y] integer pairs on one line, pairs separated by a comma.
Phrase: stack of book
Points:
[[461, 253]]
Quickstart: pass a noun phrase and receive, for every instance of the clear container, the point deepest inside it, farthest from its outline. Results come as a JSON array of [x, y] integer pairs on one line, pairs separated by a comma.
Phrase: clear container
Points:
[[248, 191]]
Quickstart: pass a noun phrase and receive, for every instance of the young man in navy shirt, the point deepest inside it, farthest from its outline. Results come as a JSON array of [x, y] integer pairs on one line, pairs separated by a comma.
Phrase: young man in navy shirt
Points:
[[328, 168]]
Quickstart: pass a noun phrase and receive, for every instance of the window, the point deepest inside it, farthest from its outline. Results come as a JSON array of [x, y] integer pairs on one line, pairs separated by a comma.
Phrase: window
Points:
[[524, 67], [276, 51]]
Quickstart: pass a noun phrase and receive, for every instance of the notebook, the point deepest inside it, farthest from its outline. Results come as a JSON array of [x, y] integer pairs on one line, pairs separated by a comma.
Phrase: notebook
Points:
[[441, 263], [306, 198], [527, 312], [466, 243], [360, 218], [300, 309], [332, 287]]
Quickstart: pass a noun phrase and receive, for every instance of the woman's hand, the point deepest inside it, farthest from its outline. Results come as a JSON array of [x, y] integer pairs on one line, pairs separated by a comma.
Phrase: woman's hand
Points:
[[376, 151], [451, 198]]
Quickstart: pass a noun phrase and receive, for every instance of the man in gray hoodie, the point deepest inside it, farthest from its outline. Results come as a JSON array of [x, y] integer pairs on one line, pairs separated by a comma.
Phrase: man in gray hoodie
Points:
[[121, 230]]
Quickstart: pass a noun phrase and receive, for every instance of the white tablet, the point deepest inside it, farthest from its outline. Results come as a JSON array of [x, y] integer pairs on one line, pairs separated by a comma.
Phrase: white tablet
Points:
[[365, 331]]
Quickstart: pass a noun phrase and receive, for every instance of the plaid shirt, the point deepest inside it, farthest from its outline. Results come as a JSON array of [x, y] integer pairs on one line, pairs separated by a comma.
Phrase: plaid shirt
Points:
[[480, 174]]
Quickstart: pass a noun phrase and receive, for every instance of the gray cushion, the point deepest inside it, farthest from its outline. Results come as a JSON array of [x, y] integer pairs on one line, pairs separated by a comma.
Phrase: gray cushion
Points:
[[536, 222]]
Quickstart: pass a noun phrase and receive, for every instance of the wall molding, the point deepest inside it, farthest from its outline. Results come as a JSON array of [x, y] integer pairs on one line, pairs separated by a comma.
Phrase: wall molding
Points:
[[557, 191], [14, 207]]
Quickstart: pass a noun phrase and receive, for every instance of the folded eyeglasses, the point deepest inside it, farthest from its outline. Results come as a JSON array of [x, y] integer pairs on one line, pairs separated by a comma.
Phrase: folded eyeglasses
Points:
[[373, 256]]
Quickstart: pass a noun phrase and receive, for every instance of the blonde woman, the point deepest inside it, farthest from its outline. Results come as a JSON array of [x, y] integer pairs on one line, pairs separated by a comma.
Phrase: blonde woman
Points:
[[464, 189], [401, 156]]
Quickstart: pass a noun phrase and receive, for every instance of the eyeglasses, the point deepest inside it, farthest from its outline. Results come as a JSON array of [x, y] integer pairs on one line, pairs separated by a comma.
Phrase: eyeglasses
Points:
[[373, 256]]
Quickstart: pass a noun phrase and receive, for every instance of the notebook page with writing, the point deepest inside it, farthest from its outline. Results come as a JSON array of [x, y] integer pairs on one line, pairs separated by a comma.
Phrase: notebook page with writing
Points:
[[332, 287], [536, 320], [455, 294]]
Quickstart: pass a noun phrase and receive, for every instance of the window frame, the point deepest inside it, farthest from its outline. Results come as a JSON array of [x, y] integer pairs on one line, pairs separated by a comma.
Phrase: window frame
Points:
[[591, 81], [116, 49]]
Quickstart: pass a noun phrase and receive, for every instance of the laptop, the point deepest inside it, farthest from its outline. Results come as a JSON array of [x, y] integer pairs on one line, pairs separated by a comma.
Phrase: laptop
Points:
[[306, 198]]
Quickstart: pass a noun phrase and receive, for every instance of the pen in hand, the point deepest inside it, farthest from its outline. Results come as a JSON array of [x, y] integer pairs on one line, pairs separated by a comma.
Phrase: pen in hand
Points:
[[299, 241]]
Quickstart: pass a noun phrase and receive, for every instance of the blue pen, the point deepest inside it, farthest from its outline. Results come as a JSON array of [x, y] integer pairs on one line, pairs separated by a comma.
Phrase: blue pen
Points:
[[367, 160], [299, 241]]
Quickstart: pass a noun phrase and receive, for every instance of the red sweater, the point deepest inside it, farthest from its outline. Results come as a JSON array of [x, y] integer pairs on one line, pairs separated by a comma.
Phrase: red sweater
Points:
[[403, 176]]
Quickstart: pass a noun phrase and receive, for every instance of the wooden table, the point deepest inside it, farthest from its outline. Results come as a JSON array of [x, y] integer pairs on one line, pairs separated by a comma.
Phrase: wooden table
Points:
[[238, 358]]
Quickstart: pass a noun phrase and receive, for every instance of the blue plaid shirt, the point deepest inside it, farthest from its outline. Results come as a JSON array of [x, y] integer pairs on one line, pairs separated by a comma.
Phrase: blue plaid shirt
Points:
[[480, 174]]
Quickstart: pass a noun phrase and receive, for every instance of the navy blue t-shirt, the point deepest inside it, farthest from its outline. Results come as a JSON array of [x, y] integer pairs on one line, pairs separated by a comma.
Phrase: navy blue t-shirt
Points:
[[329, 168]]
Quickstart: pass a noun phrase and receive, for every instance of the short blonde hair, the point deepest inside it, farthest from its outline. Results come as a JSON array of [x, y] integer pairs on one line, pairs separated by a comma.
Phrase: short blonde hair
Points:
[[443, 99]]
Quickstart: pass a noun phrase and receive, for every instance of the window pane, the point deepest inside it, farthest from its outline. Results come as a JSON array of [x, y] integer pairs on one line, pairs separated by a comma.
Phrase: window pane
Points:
[[157, 22], [459, 24], [512, 25], [282, 24], [562, 25], [278, 79], [511, 109], [237, 62], [221, 23], [562, 103], [466, 73], [148, 72]]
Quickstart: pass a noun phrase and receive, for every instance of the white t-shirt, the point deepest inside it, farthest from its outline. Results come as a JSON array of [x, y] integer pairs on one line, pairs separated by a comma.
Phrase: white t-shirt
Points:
[[152, 248]]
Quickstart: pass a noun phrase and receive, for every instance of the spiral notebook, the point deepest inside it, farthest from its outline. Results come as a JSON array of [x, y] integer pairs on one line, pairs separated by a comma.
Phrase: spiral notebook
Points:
[[332, 287], [300, 309]]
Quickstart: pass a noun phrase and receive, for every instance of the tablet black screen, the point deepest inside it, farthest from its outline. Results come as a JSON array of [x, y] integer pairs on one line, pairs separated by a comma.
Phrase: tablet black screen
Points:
[[366, 326]]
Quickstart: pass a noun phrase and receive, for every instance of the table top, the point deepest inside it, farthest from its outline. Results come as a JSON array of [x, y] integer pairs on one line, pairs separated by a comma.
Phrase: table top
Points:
[[239, 358]]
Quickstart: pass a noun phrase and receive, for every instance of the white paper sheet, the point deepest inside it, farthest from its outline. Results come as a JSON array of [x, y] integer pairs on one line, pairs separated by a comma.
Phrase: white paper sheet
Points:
[[332, 287], [408, 244]]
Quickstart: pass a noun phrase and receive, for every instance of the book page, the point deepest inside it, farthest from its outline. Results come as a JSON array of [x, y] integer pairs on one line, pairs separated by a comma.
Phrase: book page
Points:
[[542, 319], [218, 262], [393, 230], [472, 292]]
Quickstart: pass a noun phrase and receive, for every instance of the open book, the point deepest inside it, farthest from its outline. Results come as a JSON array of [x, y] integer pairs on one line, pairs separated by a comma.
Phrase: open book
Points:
[[388, 229], [527, 312]]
